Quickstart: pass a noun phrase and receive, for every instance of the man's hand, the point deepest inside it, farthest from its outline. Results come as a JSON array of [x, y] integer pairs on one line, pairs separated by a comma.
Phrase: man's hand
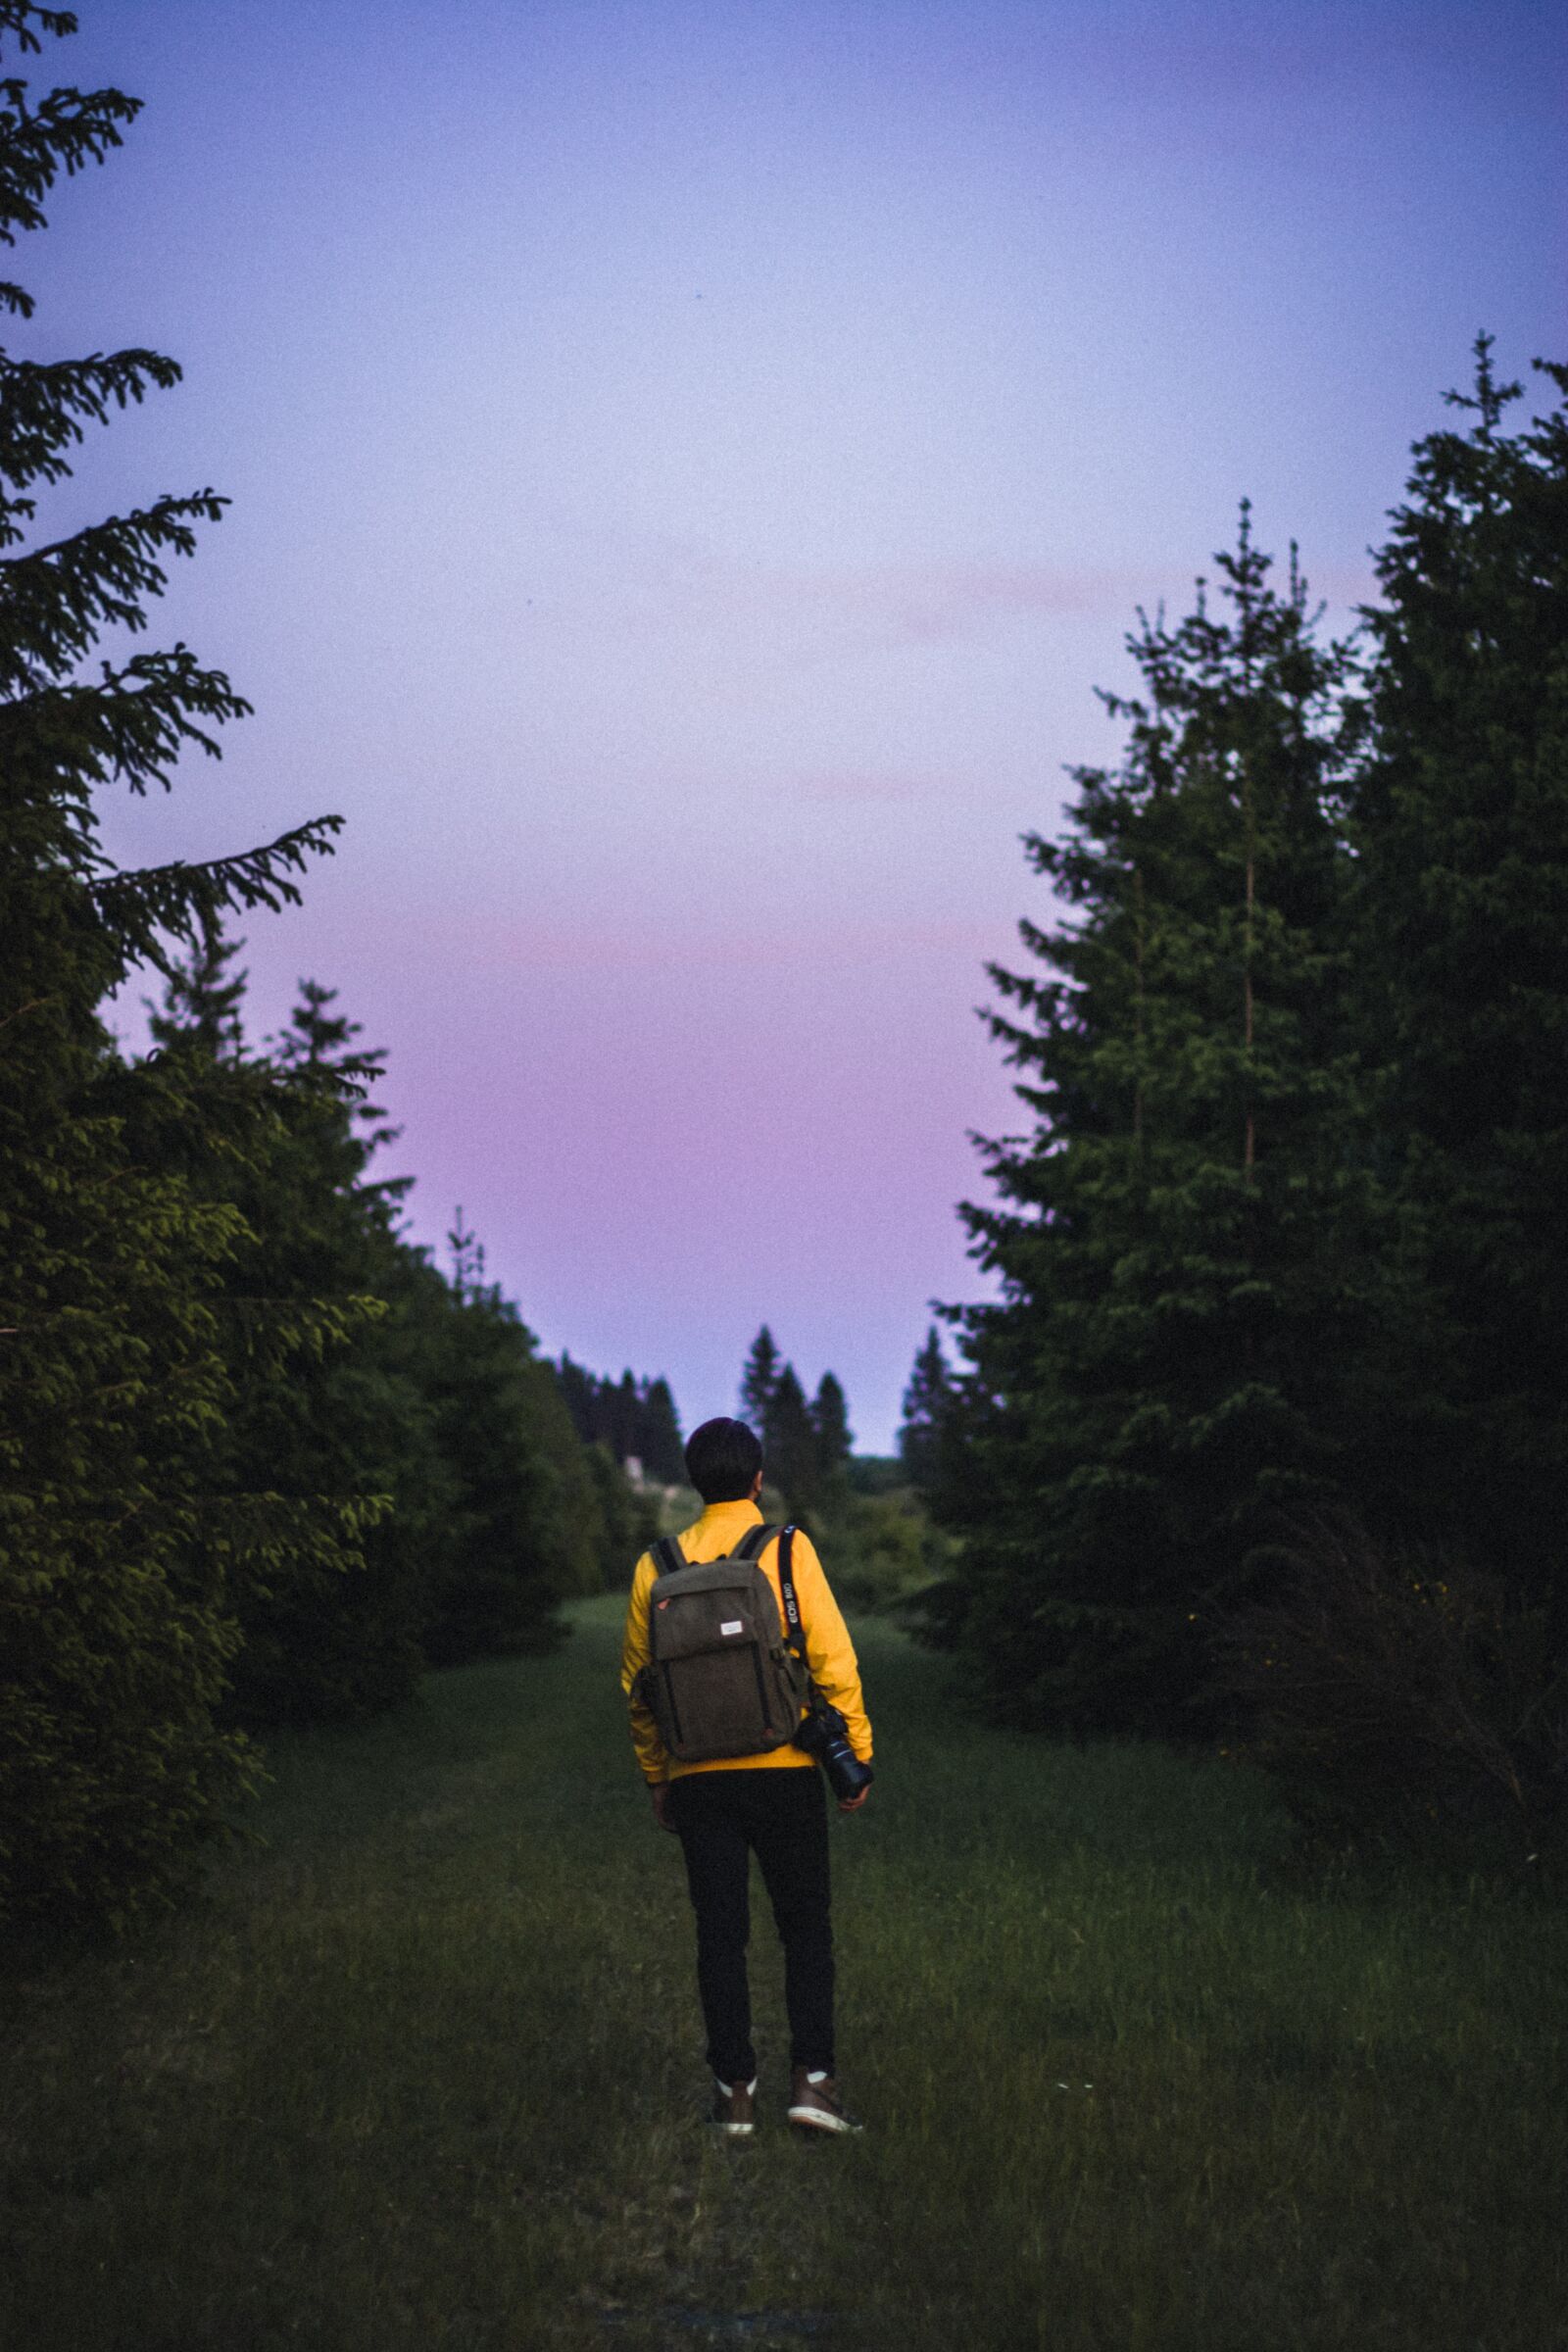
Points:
[[853, 1805], [658, 1790]]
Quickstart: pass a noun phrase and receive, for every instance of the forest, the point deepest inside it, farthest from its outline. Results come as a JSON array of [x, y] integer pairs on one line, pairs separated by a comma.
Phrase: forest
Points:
[[1260, 1442], [1263, 1441], [262, 1461]]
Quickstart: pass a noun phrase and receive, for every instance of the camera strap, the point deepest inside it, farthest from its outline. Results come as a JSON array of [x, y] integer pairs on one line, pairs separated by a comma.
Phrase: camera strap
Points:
[[793, 1631], [817, 1705]]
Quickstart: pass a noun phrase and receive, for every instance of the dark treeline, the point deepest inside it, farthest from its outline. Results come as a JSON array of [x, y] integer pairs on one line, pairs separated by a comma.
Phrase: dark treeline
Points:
[[261, 1460], [927, 1403], [867, 1511], [634, 1420], [1268, 1428], [432, 1401], [806, 1443], [1266, 1433]]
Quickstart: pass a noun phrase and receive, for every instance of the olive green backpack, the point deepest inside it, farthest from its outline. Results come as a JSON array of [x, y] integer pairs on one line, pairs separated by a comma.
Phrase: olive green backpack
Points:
[[722, 1678]]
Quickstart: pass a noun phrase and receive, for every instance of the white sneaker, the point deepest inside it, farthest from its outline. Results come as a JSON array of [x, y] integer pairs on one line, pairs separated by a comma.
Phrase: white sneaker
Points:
[[814, 2103], [734, 2108]]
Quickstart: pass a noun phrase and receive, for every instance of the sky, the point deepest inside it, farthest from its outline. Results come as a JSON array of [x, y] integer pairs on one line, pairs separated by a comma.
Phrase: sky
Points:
[[692, 462]]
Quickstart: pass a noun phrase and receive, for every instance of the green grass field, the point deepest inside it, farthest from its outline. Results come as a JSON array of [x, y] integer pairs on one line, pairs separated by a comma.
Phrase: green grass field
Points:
[[426, 2073]]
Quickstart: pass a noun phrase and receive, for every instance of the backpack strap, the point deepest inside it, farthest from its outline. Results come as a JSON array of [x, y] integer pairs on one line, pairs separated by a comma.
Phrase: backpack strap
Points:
[[668, 1555], [751, 1546]]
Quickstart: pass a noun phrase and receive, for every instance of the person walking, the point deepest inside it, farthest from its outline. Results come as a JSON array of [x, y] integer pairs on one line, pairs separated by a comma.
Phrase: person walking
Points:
[[773, 1803]]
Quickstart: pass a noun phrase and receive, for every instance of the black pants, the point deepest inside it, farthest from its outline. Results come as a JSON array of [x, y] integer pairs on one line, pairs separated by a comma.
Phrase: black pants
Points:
[[780, 1814]]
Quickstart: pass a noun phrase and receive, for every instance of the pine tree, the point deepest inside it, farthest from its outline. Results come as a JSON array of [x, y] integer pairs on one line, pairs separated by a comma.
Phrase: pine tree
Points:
[[790, 1445], [632, 1418], [467, 1253], [835, 1440], [1459, 815], [927, 1405], [201, 999], [330, 1441], [526, 1525], [116, 1632], [760, 1379], [660, 1443], [628, 1520], [580, 1392], [1176, 1236], [626, 1418]]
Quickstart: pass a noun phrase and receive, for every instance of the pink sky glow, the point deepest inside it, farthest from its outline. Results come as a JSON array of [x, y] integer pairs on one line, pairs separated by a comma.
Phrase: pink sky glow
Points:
[[691, 464]]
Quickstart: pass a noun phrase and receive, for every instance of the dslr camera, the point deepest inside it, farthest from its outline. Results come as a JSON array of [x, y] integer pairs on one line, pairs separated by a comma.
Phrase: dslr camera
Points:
[[823, 1736]]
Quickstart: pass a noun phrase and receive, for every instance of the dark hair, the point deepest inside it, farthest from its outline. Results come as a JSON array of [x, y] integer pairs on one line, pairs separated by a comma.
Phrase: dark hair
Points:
[[722, 1459]]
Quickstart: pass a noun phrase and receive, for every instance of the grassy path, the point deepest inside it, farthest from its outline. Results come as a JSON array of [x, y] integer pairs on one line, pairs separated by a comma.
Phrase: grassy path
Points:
[[425, 2074]]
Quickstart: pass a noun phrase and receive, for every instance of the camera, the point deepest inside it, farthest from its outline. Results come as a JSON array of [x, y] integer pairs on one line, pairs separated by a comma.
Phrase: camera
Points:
[[822, 1735]]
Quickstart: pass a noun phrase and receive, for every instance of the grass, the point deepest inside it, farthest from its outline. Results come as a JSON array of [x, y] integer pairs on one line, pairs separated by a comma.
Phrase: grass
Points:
[[426, 2073]]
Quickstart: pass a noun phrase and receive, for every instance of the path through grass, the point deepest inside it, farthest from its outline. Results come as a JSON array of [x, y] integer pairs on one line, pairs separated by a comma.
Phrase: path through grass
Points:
[[425, 2075]]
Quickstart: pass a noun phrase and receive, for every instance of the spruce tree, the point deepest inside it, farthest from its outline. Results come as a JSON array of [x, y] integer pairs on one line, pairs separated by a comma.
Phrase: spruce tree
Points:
[[580, 1394], [203, 1001], [759, 1380], [330, 1440], [835, 1440], [1459, 815], [659, 1444], [790, 1445], [927, 1404], [526, 1525], [598, 1413], [117, 1630], [626, 1418], [1177, 1229], [628, 1521]]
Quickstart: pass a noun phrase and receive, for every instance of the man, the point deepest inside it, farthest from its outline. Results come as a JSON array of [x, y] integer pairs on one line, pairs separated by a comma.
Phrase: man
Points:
[[771, 1804]]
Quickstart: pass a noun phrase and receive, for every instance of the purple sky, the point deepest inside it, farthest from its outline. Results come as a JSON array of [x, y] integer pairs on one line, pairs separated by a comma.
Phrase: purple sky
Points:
[[691, 465]]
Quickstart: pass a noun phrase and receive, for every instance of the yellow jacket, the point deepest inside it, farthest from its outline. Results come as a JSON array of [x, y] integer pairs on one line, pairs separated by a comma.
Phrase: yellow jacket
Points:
[[828, 1647]]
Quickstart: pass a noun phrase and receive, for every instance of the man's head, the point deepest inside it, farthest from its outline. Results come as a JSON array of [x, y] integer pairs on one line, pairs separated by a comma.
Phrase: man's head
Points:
[[722, 1460]]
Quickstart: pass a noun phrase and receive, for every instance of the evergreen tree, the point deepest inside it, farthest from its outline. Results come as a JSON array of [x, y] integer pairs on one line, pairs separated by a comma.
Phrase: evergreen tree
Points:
[[659, 1439], [1177, 1236], [790, 1445], [628, 1520], [527, 1527], [115, 1629], [330, 1625], [1459, 815], [201, 999], [580, 1394], [927, 1405], [835, 1440], [758, 1381], [438, 1404], [626, 1419]]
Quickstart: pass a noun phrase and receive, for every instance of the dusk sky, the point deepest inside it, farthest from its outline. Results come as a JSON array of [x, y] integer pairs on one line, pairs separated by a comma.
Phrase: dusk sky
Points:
[[691, 466]]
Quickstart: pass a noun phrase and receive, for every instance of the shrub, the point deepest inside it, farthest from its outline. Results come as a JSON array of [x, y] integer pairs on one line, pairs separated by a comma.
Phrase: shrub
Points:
[[880, 1549], [1396, 1690]]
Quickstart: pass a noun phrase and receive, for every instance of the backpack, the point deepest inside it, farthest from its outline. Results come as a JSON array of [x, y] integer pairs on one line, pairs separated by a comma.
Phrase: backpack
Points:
[[722, 1680]]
